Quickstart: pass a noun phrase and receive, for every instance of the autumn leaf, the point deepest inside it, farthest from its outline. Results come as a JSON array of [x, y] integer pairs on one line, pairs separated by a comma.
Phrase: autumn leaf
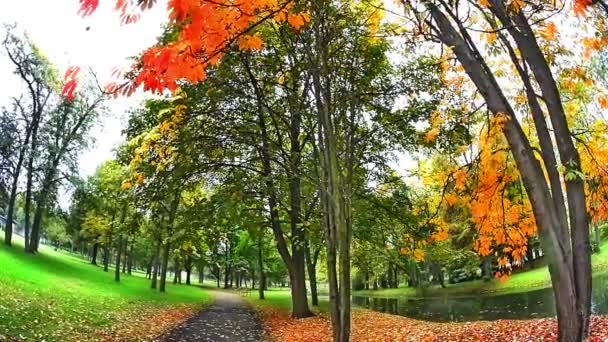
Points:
[[87, 7], [490, 37], [253, 42], [297, 21], [71, 82], [602, 101], [580, 7], [517, 5], [418, 255], [550, 31], [126, 185], [431, 135]]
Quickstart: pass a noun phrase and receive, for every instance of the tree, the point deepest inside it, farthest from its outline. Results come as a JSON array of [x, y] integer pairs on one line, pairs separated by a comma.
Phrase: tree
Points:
[[513, 25], [55, 229], [63, 134], [33, 69]]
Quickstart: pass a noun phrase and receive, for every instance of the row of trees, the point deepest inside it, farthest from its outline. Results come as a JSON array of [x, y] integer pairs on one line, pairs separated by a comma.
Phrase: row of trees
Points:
[[215, 168], [41, 134]]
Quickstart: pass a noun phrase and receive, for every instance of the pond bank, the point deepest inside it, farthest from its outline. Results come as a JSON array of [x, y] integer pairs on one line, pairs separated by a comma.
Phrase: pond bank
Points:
[[535, 279]]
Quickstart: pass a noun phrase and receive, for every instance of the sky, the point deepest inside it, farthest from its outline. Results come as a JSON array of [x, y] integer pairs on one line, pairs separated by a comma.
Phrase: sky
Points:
[[98, 42]]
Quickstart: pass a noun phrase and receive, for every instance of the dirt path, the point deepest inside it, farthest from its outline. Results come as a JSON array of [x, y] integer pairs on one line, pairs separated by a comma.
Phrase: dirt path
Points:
[[229, 318]]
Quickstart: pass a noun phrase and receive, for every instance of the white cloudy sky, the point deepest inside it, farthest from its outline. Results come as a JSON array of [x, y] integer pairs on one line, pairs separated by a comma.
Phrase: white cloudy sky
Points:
[[56, 27]]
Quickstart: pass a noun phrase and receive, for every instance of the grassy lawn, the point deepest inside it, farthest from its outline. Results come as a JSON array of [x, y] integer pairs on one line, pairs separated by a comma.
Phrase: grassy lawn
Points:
[[56, 295], [519, 282], [281, 299]]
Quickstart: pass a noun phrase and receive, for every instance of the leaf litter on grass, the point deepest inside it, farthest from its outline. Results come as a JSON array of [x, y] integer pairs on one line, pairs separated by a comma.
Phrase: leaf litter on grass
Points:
[[370, 326]]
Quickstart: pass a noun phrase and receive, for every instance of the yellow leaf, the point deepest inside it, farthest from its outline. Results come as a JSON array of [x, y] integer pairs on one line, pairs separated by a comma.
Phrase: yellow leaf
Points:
[[418, 254], [126, 185]]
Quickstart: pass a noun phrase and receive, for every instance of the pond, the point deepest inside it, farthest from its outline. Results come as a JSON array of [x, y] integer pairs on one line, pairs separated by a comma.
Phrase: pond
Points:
[[525, 305]]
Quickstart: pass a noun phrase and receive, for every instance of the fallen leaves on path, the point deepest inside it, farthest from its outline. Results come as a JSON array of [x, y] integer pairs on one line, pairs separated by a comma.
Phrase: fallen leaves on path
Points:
[[146, 325], [371, 326]]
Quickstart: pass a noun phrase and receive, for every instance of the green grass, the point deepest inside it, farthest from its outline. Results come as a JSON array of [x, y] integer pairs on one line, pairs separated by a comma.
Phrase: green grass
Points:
[[280, 299], [518, 282], [55, 295]]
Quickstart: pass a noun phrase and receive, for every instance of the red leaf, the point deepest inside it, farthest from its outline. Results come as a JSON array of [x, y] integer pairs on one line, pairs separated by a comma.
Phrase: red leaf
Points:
[[87, 7], [68, 89]]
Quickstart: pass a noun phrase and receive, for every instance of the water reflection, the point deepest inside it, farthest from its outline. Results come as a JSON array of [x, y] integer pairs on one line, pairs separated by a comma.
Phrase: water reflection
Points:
[[532, 304]]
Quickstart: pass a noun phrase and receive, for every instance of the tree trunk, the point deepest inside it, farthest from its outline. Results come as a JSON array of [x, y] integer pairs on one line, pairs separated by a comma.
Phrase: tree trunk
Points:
[[130, 260], [118, 258], [311, 263], [41, 201], [106, 258], [30, 174], [262, 274], [156, 265], [188, 267], [126, 256], [165, 263], [95, 250], [8, 228]]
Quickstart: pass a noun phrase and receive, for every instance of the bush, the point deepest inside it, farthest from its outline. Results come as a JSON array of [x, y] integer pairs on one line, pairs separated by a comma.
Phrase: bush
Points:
[[464, 265]]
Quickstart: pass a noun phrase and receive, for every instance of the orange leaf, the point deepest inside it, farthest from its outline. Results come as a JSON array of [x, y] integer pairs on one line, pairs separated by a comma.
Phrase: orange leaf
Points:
[[251, 43]]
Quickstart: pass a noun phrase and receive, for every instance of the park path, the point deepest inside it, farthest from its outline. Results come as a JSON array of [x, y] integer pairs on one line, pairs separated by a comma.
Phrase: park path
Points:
[[229, 318]]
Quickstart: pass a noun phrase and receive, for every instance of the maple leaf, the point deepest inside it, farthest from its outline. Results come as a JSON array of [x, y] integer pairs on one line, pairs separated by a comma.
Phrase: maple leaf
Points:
[[517, 5], [298, 21], [251, 43], [550, 31], [87, 7], [602, 101], [580, 7], [71, 82], [431, 135]]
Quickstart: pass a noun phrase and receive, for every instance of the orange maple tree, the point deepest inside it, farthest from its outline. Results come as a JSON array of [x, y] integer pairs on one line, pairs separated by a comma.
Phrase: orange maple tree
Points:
[[205, 30]]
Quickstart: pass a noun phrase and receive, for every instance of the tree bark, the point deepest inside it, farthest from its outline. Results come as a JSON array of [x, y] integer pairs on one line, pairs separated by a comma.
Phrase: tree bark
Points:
[[118, 259], [95, 251], [188, 267], [156, 265], [8, 228], [262, 274], [311, 263], [165, 263], [130, 260], [106, 258]]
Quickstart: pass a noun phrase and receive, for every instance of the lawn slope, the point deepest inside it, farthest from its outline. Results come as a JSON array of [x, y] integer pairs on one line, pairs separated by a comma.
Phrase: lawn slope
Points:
[[57, 297]]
